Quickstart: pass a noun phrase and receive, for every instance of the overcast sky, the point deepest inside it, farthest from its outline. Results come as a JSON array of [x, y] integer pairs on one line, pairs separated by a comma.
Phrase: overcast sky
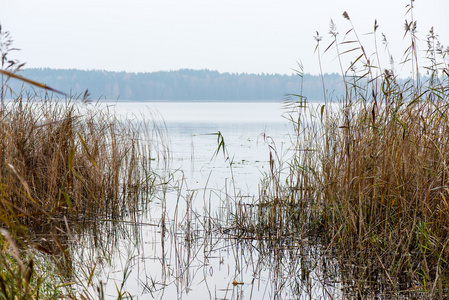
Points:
[[226, 35]]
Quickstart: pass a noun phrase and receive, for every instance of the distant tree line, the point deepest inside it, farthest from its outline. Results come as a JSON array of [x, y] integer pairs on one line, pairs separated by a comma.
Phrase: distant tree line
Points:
[[184, 85]]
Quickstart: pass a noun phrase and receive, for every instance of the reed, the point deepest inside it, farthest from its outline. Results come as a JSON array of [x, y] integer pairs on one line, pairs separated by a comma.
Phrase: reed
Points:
[[370, 171], [59, 159], [64, 162], [383, 173], [383, 168]]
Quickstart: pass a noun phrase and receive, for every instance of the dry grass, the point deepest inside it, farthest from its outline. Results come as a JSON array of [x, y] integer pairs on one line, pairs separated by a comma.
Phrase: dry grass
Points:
[[62, 162], [371, 173], [383, 177], [56, 159]]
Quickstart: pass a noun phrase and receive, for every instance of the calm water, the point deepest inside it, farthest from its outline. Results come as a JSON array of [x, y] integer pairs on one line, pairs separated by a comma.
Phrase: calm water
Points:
[[188, 130], [178, 252]]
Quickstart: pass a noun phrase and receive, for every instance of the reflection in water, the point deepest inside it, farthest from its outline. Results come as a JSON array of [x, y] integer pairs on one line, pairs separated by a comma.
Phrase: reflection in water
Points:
[[204, 232], [187, 253]]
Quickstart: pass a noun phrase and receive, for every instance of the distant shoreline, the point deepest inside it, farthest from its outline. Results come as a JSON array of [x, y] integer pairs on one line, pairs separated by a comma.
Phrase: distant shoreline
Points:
[[183, 85]]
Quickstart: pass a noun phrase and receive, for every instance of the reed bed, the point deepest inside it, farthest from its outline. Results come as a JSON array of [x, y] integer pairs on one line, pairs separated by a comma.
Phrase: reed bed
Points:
[[383, 173], [370, 172], [65, 163], [59, 160]]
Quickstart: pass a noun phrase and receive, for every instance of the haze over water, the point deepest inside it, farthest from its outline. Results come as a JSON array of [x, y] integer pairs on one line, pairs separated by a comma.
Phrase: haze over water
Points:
[[189, 262]]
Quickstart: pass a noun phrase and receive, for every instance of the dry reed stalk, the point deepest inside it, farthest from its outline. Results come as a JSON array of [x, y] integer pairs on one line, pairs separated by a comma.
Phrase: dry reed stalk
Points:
[[58, 160], [371, 171]]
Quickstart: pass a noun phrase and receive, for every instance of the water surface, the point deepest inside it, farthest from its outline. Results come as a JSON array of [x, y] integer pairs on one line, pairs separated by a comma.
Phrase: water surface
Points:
[[184, 246]]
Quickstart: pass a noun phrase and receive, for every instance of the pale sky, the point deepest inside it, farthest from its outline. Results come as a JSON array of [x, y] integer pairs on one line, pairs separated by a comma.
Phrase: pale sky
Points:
[[225, 35]]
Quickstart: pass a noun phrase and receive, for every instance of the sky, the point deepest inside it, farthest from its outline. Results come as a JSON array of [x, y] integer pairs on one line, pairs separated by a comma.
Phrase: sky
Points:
[[226, 35]]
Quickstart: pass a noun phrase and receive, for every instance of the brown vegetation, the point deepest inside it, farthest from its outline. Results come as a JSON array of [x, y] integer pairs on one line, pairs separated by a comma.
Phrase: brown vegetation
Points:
[[370, 174]]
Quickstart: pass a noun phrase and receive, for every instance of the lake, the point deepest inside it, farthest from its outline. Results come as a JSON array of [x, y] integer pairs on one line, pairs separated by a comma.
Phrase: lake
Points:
[[183, 246], [189, 132]]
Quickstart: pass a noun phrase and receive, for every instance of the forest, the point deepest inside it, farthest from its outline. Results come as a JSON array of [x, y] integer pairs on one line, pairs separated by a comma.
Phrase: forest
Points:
[[184, 85]]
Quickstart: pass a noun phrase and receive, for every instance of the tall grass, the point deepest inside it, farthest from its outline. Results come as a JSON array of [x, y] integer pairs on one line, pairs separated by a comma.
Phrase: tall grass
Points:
[[59, 159], [383, 172], [62, 162], [370, 175]]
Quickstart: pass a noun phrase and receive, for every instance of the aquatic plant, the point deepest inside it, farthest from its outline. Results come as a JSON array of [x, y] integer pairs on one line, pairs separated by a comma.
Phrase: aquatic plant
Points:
[[64, 162], [370, 174]]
